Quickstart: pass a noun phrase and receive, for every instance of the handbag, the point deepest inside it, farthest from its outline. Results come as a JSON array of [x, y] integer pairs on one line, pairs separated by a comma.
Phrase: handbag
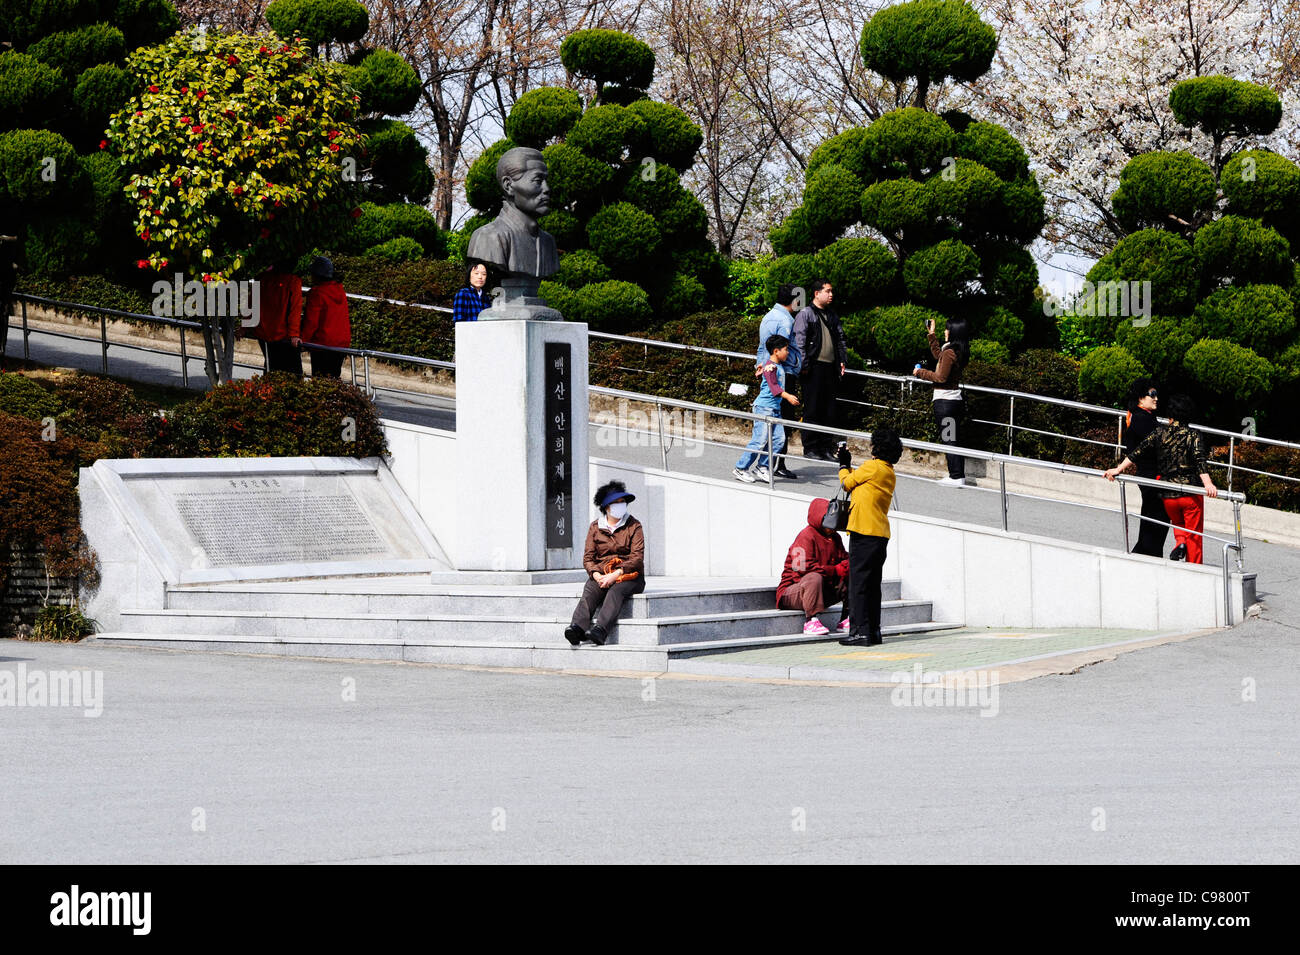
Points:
[[836, 517]]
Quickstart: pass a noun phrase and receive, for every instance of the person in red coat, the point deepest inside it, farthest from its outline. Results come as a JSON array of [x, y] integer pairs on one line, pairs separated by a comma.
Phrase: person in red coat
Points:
[[326, 321], [816, 572], [278, 330]]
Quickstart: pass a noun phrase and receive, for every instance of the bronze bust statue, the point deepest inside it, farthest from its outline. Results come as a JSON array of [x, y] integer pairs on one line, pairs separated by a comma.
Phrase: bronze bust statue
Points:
[[521, 250]]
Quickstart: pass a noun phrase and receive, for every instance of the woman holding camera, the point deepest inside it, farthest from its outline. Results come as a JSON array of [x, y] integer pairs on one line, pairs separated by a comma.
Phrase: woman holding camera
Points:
[[871, 488], [950, 360]]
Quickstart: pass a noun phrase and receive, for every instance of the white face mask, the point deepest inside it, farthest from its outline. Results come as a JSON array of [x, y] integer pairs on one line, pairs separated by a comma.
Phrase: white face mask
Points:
[[617, 510]]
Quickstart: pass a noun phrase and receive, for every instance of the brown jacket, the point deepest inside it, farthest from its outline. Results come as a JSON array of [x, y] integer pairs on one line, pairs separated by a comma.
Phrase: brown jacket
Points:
[[946, 370], [627, 542]]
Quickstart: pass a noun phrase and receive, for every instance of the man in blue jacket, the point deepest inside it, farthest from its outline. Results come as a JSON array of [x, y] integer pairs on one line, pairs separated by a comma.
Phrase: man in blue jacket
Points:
[[780, 321]]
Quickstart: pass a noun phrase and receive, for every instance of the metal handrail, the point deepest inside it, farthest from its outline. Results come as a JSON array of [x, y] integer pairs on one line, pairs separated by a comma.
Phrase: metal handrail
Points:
[[723, 353], [903, 381]]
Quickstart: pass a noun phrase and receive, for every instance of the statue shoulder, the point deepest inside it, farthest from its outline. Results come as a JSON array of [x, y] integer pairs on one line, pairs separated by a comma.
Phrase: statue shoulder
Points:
[[486, 238]]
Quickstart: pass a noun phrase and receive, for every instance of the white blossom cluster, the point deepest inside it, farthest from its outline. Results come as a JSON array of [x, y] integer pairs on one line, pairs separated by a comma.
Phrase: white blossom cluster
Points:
[[1084, 85]]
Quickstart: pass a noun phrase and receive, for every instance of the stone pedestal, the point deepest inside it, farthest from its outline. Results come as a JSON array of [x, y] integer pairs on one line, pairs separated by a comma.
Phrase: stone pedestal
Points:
[[521, 445]]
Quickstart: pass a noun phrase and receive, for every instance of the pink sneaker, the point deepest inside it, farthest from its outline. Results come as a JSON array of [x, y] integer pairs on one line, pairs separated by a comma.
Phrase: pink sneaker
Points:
[[844, 626], [815, 628]]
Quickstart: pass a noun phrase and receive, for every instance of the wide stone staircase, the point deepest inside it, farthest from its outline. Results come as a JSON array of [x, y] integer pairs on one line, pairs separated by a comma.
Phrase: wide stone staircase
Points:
[[405, 617]]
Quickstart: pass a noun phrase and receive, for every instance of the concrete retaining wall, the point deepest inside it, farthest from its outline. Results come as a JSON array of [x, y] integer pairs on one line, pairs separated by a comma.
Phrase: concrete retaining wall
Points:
[[699, 526]]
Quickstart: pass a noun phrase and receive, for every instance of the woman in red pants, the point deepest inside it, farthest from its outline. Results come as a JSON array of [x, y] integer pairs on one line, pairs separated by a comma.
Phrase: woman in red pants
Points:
[[1179, 453]]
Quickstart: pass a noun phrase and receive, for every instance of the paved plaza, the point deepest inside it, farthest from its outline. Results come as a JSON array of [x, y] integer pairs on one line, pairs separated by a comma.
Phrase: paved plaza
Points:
[[1154, 757]]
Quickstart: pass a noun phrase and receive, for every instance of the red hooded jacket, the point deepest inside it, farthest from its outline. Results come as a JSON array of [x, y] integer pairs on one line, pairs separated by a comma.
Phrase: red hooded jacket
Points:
[[326, 321], [280, 307], [815, 550]]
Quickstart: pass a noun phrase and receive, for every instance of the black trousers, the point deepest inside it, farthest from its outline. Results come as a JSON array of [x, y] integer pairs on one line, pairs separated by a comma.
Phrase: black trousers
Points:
[[604, 602], [866, 570], [821, 386], [948, 415], [1151, 537], [282, 356], [326, 364]]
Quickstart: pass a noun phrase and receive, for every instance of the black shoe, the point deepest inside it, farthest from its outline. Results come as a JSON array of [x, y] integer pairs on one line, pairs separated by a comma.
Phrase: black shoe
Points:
[[574, 635], [785, 472], [1179, 552], [863, 640], [820, 455], [597, 635]]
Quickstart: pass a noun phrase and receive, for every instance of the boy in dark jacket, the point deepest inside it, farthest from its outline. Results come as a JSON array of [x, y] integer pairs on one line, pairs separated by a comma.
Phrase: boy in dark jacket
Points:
[[816, 573]]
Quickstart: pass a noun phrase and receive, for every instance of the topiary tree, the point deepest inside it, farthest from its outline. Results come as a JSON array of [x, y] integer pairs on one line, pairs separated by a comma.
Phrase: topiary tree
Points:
[[897, 332], [1214, 243], [951, 197], [392, 166], [396, 164], [1156, 189], [379, 224], [45, 192], [234, 152], [543, 115], [621, 65], [1106, 373], [1221, 106], [615, 178], [1227, 371], [928, 41], [387, 84], [63, 73], [319, 21]]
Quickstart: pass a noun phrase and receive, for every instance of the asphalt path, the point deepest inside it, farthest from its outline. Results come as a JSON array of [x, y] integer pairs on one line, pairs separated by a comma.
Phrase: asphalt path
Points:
[[1155, 757]]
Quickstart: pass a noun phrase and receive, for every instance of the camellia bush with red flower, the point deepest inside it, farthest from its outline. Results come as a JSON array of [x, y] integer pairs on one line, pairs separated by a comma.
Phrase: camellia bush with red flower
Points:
[[237, 153]]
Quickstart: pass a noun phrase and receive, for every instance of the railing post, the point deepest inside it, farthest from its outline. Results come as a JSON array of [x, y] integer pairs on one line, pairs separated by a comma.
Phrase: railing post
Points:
[[1232, 441], [1002, 483], [771, 479], [26, 332], [1236, 526], [1011, 428], [103, 341], [185, 361], [1123, 513], [1119, 438], [352, 364], [1227, 587], [663, 448], [365, 364]]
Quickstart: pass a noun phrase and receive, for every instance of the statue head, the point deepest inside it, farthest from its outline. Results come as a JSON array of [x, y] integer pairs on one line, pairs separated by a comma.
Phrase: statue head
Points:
[[521, 173]]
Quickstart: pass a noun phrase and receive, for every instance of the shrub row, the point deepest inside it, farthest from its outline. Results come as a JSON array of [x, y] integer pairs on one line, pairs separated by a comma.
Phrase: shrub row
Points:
[[50, 428]]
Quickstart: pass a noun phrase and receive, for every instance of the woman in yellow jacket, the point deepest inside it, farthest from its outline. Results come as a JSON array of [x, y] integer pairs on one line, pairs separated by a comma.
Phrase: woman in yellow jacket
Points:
[[871, 488]]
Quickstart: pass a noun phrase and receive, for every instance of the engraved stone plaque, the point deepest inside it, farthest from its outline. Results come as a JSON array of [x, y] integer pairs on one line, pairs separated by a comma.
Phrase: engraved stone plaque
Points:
[[245, 519], [273, 523]]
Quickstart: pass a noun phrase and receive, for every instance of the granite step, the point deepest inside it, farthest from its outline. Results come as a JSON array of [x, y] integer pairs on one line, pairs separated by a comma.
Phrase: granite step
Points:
[[535, 628], [662, 598], [524, 654]]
